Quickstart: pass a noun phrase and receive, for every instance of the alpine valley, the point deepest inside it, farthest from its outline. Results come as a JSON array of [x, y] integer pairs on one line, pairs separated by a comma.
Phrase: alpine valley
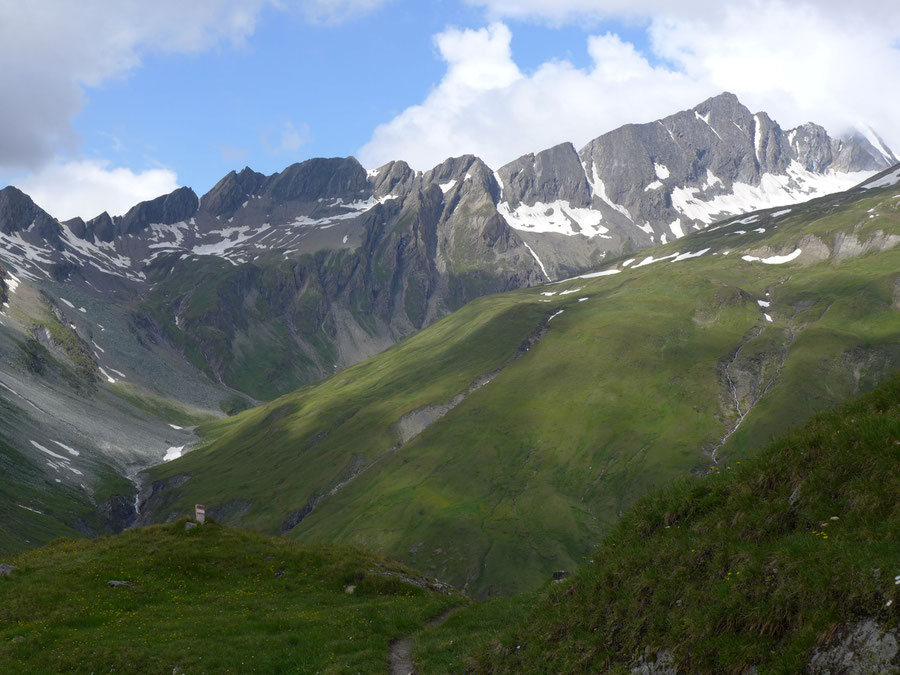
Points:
[[475, 371]]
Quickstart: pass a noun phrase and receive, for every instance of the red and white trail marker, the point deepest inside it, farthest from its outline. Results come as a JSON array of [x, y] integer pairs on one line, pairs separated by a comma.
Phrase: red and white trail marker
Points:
[[200, 513]]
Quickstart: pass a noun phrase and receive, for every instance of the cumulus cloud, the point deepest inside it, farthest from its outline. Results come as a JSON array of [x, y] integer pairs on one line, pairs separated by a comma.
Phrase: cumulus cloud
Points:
[[487, 106], [85, 188], [50, 50], [827, 62]]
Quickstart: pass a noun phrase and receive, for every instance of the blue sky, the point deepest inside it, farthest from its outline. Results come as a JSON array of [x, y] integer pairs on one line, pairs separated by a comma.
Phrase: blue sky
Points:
[[206, 114], [111, 102]]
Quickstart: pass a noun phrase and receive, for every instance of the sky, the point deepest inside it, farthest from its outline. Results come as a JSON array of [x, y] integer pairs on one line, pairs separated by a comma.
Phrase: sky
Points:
[[110, 102]]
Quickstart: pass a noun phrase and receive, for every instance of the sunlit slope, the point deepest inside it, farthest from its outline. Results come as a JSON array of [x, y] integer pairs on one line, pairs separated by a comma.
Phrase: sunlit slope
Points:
[[585, 410]]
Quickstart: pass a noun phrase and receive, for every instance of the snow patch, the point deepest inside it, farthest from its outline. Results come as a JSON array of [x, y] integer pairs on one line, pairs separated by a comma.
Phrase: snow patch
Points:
[[556, 216], [763, 303], [650, 260], [591, 275], [749, 220], [711, 180], [13, 282], [662, 171], [796, 185], [705, 118], [28, 508], [67, 302], [49, 452], [71, 451], [885, 181], [775, 259], [555, 314], [768, 318], [540, 264], [757, 137], [173, 453], [688, 256], [600, 191], [446, 187]]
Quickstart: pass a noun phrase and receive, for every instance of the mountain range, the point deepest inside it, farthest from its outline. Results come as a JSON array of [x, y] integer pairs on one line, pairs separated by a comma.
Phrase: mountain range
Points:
[[333, 263], [125, 340]]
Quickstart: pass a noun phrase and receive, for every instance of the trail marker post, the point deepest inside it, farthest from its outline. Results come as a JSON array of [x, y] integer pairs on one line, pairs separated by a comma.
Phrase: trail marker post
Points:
[[200, 513]]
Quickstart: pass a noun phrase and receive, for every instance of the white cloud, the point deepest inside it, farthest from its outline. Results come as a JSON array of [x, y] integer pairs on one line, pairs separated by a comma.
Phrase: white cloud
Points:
[[50, 50], [566, 11], [486, 106], [830, 62], [86, 188]]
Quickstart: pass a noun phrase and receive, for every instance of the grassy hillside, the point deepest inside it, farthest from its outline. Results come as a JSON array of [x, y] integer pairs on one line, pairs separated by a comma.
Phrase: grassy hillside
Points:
[[757, 564], [210, 599], [646, 376], [754, 565]]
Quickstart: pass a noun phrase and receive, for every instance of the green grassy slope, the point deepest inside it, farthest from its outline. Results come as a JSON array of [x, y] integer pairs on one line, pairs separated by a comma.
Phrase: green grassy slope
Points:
[[211, 599], [753, 565], [626, 391]]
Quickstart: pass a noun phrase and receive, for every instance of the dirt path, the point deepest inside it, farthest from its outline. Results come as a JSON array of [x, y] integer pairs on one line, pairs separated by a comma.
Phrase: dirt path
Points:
[[401, 662]]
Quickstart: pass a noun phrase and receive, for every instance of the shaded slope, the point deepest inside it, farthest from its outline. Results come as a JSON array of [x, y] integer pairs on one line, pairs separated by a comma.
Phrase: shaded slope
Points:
[[625, 391], [769, 564]]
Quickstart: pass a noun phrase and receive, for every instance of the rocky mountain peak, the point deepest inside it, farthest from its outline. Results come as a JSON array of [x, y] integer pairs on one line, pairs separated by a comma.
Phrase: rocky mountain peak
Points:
[[550, 175], [232, 191], [320, 178], [19, 213], [394, 178], [177, 206], [101, 227]]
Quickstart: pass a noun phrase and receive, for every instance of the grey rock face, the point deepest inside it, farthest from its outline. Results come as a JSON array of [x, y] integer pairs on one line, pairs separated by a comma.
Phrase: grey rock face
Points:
[[230, 192], [395, 178], [661, 663], [865, 648], [174, 207], [18, 213], [6, 570], [320, 179], [550, 175]]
